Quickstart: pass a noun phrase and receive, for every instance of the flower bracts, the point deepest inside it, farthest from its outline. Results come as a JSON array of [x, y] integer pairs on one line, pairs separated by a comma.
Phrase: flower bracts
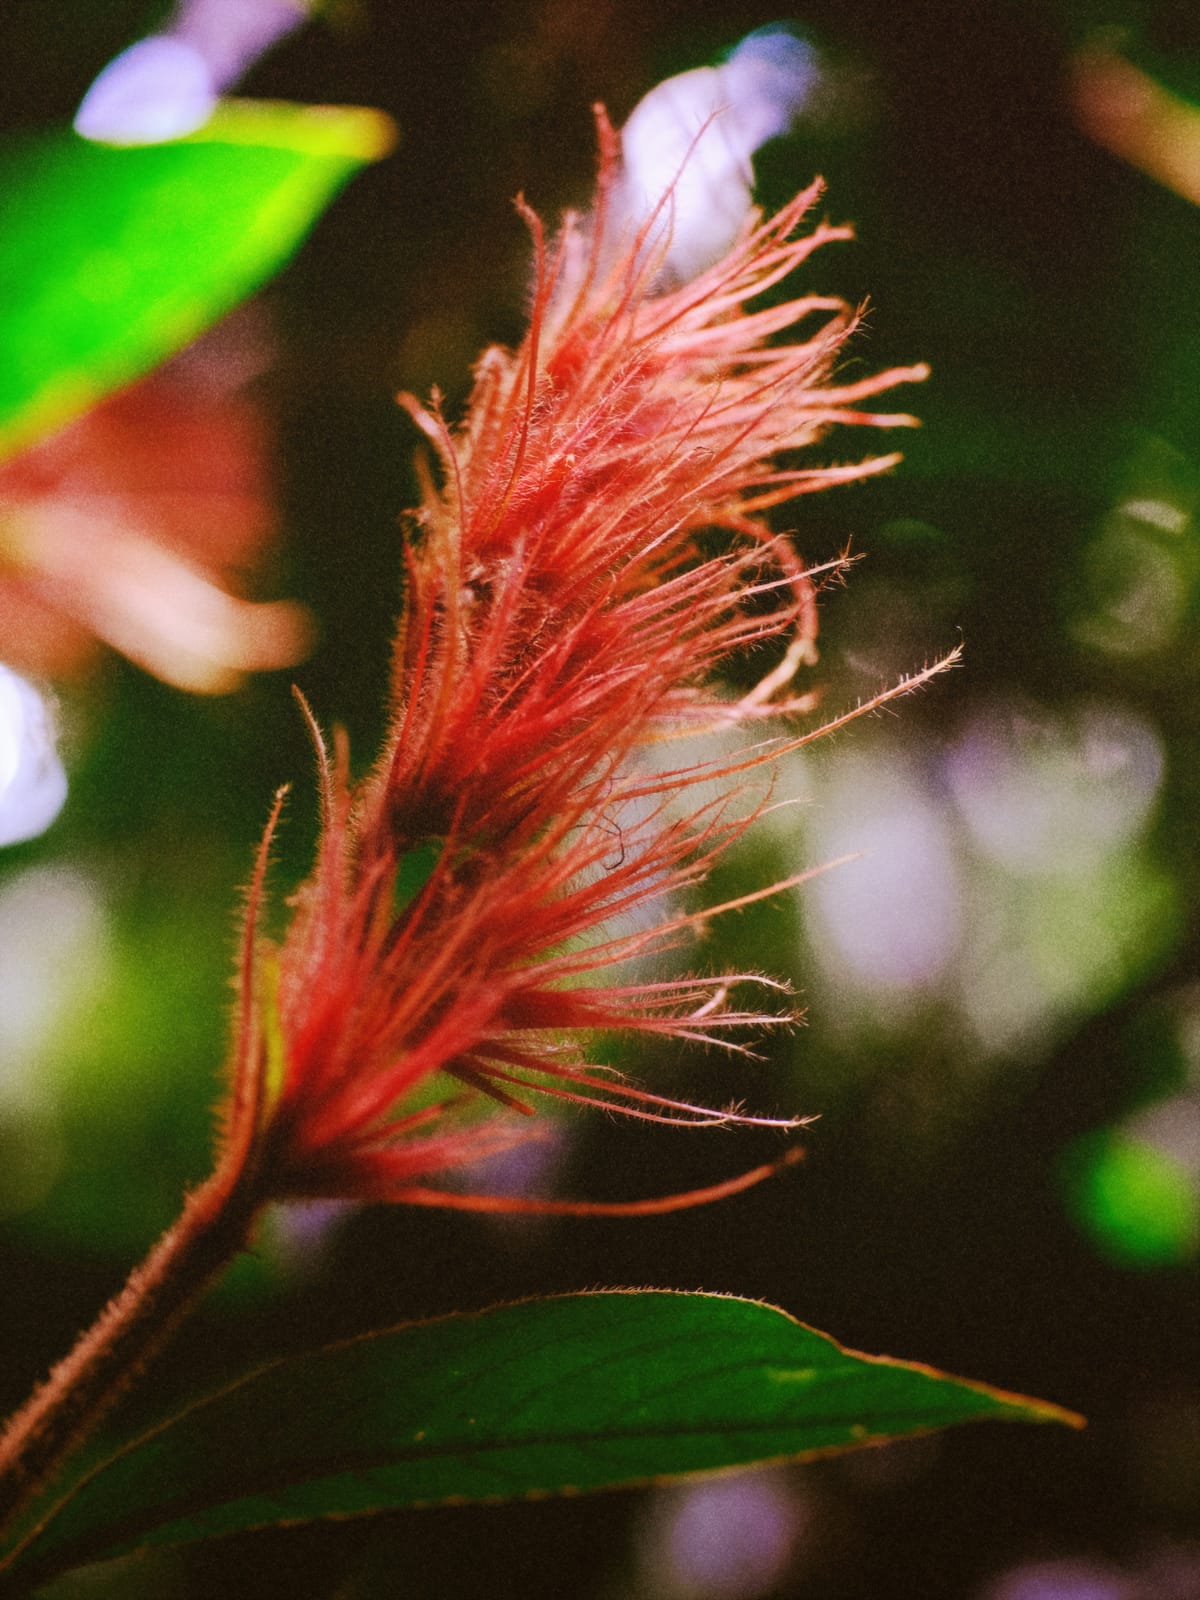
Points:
[[591, 551]]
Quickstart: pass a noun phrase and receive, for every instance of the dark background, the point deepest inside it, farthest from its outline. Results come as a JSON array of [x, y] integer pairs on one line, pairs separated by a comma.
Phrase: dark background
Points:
[[964, 1201]]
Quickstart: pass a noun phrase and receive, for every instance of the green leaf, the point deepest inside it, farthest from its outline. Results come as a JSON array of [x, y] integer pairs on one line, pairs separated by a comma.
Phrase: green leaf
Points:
[[545, 1397], [111, 259]]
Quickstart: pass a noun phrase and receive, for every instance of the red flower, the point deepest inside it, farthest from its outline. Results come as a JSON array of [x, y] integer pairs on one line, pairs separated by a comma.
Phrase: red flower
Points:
[[592, 554]]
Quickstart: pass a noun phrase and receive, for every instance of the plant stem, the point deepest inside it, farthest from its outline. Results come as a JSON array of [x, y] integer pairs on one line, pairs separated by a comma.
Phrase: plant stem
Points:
[[61, 1413]]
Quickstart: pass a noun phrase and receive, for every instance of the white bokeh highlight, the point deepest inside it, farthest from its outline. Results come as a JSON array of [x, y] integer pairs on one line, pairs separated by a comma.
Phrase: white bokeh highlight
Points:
[[160, 88], [1063, 1580], [1001, 885], [1054, 792], [687, 147], [167, 85], [727, 1538], [890, 920], [33, 785]]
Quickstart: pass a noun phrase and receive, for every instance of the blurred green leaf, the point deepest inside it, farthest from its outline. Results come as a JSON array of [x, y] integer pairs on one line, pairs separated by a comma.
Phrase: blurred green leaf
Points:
[[111, 259], [1137, 1203], [550, 1396]]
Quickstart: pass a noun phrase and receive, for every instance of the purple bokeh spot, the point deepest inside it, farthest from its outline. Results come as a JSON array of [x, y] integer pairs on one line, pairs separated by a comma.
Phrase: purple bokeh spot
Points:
[[160, 88]]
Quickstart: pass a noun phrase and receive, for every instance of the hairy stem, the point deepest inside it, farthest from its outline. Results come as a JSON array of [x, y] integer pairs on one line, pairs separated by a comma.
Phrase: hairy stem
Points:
[[63, 1411]]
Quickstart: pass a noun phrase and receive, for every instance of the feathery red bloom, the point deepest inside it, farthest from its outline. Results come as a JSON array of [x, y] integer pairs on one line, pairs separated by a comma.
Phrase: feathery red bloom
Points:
[[563, 611]]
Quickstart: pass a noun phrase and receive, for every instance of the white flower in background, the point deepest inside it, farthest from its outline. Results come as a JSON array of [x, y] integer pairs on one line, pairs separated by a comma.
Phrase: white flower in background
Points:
[[33, 784], [160, 88], [167, 84], [694, 136]]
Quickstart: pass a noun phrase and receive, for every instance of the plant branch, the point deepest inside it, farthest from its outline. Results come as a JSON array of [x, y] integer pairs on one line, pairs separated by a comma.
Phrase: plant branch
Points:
[[135, 1325]]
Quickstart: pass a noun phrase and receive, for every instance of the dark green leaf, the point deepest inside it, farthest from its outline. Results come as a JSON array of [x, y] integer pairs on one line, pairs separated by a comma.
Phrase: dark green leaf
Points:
[[549, 1396], [111, 259]]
